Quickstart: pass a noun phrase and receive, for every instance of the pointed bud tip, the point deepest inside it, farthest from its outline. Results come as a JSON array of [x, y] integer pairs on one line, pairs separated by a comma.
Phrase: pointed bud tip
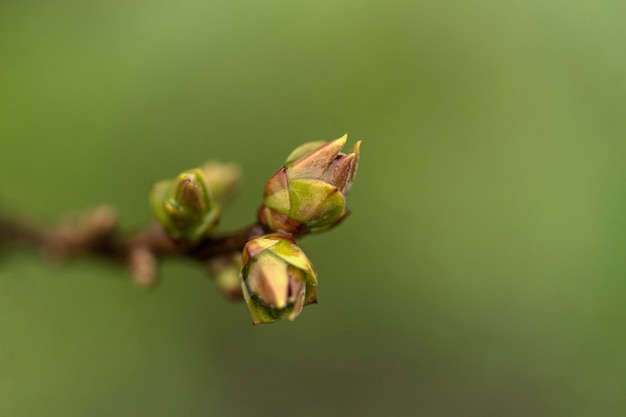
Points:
[[314, 163], [186, 187], [343, 139], [192, 176], [340, 171], [356, 148]]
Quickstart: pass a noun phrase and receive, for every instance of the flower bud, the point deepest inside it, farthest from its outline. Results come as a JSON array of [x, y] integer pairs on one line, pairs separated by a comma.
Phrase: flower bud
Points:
[[278, 278], [185, 207], [225, 272], [308, 193], [224, 180]]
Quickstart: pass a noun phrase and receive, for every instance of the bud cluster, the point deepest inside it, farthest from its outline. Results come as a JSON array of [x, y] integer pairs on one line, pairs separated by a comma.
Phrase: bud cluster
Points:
[[307, 195]]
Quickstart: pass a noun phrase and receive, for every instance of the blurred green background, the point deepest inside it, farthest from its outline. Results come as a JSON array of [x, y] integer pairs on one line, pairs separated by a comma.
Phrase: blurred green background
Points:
[[482, 272]]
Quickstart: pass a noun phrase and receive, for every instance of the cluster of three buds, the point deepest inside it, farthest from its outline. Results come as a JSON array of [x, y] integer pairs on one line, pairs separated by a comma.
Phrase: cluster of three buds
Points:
[[306, 195]]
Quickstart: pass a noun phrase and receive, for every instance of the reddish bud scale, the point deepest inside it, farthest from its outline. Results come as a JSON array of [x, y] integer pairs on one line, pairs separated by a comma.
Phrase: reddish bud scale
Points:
[[308, 193]]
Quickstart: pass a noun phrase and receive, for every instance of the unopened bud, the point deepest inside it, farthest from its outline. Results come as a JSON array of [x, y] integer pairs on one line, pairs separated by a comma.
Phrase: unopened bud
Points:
[[278, 278], [224, 180], [225, 271], [185, 207], [143, 267], [308, 193]]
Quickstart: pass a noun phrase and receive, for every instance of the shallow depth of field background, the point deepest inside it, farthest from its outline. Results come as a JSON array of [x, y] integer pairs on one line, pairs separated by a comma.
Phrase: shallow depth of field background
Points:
[[481, 273]]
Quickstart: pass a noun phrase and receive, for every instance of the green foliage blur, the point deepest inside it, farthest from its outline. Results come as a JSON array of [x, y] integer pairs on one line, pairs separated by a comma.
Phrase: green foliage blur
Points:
[[482, 271]]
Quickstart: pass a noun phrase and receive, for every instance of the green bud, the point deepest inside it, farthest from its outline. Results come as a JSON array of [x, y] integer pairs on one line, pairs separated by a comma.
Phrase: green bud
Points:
[[185, 207], [278, 278], [308, 193], [225, 272], [224, 180]]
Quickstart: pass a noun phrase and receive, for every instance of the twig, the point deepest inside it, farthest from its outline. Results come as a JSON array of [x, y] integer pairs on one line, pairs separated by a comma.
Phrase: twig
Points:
[[96, 234]]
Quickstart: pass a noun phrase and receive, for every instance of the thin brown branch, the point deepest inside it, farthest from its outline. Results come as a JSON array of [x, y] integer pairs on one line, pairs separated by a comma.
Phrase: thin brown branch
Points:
[[96, 234]]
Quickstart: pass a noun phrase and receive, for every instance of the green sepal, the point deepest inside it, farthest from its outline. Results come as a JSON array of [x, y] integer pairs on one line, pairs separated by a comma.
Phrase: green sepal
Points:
[[185, 207], [315, 203]]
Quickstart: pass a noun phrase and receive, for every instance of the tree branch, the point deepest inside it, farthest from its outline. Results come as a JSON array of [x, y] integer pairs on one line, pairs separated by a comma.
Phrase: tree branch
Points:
[[96, 234]]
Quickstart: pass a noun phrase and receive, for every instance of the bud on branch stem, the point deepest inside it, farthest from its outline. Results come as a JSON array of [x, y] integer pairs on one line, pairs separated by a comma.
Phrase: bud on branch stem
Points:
[[260, 263]]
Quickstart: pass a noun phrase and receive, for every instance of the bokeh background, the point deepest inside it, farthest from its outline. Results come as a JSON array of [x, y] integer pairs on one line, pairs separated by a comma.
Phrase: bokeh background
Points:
[[482, 272]]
